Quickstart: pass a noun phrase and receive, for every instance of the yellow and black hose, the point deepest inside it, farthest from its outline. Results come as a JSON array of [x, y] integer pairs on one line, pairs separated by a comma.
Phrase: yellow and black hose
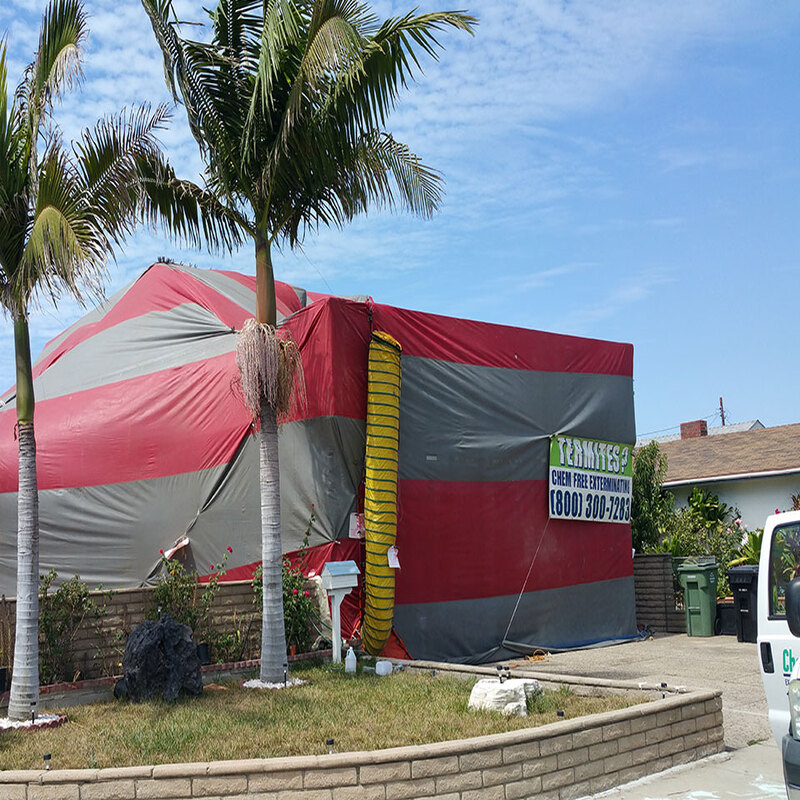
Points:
[[380, 488]]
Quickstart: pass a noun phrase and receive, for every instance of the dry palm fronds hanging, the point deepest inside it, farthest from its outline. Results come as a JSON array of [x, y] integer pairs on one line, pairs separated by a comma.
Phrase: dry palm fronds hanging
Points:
[[270, 367]]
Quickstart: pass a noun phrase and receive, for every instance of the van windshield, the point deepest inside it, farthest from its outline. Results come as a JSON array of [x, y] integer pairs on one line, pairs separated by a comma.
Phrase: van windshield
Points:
[[784, 565]]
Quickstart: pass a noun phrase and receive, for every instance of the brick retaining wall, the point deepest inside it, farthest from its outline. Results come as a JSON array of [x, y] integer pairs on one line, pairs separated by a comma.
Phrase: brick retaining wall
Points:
[[561, 760], [655, 595]]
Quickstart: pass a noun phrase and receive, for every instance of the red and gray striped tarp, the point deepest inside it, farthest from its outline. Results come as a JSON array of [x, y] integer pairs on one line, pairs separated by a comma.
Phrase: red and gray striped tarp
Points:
[[143, 441]]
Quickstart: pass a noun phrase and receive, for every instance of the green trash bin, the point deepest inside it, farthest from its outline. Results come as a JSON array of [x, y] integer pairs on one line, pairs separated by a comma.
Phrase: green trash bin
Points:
[[698, 579]]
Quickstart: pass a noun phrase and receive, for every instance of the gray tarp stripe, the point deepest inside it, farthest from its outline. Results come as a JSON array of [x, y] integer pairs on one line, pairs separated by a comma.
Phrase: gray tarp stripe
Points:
[[233, 290], [87, 530], [229, 288], [468, 630], [94, 315], [149, 343], [302, 296], [111, 534], [461, 422], [322, 460]]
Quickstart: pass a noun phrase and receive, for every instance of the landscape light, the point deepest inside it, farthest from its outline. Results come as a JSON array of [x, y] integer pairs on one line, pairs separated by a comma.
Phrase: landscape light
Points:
[[329, 742], [46, 758]]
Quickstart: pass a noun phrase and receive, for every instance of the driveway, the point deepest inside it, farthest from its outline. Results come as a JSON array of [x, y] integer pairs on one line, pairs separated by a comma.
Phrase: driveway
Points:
[[715, 662], [751, 768]]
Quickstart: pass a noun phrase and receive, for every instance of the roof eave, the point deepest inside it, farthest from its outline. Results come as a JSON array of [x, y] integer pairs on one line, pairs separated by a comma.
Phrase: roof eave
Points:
[[735, 477]]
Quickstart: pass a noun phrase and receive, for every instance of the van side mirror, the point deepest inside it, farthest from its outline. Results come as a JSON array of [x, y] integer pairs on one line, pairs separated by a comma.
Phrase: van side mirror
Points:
[[793, 606]]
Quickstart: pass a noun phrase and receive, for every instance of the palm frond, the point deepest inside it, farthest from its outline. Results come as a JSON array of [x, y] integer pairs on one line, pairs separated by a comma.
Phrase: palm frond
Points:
[[58, 58], [280, 33], [194, 73], [186, 211], [14, 159], [331, 185], [126, 179], [64, 251], [366, 90]]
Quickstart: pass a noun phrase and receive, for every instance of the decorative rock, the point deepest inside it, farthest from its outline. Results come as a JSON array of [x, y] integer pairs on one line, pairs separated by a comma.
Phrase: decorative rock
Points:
[[160, 660], [509, 697]]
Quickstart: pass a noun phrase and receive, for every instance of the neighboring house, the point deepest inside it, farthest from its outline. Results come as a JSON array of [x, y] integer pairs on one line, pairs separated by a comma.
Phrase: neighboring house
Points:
[[755, 470]]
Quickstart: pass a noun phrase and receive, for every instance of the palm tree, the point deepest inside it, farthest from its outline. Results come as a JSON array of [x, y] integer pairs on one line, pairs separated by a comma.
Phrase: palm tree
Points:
[[61, 213], [288, 102]]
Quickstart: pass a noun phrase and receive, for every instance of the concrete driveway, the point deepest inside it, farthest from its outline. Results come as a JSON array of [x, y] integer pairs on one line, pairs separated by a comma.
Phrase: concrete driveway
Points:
[[751, 769], [715, 662]]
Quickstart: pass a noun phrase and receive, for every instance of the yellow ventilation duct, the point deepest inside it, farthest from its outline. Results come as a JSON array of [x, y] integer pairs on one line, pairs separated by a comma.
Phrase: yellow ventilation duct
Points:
[[380, 488]]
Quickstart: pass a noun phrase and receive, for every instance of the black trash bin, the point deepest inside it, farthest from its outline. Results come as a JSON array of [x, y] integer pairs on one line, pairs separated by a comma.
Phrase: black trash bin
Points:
[[744, 587]]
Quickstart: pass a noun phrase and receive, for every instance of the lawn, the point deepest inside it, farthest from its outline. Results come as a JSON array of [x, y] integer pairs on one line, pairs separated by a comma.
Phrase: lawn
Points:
[[364, 712]]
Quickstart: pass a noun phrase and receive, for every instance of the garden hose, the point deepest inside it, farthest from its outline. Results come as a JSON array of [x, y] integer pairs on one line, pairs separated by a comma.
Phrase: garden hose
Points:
[[380, 488]]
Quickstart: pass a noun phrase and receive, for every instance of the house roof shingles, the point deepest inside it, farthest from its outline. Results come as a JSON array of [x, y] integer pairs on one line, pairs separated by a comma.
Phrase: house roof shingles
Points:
[[770, 450]]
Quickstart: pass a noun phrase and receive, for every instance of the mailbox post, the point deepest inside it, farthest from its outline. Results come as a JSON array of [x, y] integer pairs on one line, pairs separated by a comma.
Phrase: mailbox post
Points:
[[338, 579]]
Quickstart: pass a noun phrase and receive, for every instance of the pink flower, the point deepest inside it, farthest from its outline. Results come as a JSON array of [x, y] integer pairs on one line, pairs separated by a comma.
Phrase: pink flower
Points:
[[294, 591], [307, 593], [230, 549], [161, 551], [212, 567], [776, 511]]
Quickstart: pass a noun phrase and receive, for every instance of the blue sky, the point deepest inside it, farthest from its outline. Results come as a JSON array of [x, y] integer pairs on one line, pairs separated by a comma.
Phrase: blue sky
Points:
[[619, 170]]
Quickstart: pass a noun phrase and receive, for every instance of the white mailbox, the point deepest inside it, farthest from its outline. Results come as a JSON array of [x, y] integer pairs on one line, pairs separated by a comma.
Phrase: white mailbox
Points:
[[339, 578]]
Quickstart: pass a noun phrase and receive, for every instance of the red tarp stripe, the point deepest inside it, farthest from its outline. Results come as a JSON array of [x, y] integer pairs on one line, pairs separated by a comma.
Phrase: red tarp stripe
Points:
[[507, 519], [333, 336], [159, 289], [469, 342], [91, 442]]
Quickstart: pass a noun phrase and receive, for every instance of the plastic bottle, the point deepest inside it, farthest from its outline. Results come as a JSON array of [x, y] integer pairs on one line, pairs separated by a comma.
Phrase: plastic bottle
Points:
[[350, 661]]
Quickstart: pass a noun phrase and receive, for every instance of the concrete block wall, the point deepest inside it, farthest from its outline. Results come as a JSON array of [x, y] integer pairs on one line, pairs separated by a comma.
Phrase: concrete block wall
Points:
[[98, 646], [655, 595], [558, 761]]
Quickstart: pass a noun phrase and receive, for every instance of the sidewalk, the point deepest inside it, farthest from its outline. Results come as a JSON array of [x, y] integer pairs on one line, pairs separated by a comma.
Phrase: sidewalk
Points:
[[750, 773]]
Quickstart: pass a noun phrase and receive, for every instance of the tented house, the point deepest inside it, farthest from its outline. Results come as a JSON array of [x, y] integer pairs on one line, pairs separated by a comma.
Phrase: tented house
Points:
[[144, 444]]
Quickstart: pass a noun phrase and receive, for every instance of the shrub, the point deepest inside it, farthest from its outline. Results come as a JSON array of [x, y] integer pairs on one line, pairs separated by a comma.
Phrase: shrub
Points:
[[703, 529], [178, 593], [61, 614]]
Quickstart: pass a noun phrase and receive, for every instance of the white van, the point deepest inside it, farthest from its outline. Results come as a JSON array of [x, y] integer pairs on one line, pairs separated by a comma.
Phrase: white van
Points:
[[779, 637]]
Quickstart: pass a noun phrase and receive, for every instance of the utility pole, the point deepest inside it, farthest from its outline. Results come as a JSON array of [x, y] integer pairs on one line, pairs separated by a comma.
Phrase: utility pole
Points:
[[722, 412]]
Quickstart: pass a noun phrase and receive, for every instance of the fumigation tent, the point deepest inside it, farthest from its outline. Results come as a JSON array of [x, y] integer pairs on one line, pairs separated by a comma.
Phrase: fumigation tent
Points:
[[143, 443]]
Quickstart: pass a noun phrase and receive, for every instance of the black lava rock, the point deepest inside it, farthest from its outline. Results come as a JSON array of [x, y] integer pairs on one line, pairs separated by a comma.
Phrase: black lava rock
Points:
[[160, 660]]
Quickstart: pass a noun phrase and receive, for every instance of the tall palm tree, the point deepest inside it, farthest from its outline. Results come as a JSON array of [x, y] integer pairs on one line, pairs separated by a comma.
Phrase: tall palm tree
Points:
[[288, 102], [61, 213]]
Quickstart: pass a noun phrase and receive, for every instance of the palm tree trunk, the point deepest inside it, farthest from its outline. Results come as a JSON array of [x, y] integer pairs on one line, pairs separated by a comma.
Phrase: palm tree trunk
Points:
[[24, 697], [273, 634]]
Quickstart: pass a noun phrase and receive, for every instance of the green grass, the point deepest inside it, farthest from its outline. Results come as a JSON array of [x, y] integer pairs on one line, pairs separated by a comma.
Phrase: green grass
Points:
[[361, 713]]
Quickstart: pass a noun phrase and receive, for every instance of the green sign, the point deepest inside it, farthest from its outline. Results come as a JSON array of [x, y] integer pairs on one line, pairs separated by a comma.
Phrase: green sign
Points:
[[590, 479]]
